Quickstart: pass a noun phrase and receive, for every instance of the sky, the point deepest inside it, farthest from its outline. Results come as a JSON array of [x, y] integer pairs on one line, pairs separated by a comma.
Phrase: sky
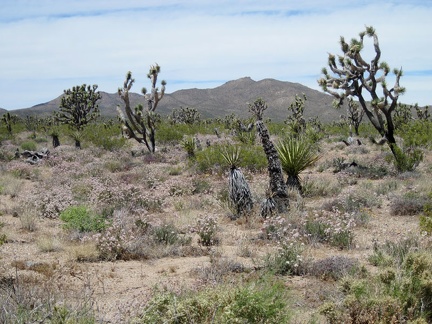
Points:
[[47, 46]]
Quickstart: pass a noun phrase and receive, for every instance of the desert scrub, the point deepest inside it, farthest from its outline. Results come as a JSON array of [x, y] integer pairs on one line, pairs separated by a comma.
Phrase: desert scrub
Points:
[[332, 227], [353, 201], [210, 159], [320, 187], [264, 301], [81, 219], [29, 146], [206, 227], [411, 203], [10, 185], [426, 219], [287, 258], [400, 293], [334, 267]]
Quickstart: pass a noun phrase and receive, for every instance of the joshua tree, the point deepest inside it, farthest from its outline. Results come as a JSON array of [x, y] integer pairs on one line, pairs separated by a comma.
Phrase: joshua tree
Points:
[[352, 76], [239, 192], [141, 122], [277, 186], [184, 115], [7, 119], [32, 124], [296, 121], [354, 115], [402, 115], [78, 108], [422, 114], [296, 154]]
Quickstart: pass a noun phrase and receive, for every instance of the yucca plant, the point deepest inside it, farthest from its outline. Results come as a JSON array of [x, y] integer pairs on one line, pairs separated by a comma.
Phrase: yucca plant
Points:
[[239, 192], [77, 136], [296, 154], [189, 144]]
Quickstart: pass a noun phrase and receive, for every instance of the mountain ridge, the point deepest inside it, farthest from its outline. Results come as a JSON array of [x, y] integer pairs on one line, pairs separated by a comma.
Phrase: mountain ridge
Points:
[[230, 97]]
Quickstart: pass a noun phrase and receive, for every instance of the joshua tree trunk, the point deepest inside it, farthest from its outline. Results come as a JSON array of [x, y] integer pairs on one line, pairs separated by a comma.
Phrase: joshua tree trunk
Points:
[[294, 182], [277, 184], [55, 141], [240, 193]]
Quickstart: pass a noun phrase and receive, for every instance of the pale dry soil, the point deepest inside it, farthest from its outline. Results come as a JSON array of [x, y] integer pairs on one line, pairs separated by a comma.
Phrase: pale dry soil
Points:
[[119, 289]]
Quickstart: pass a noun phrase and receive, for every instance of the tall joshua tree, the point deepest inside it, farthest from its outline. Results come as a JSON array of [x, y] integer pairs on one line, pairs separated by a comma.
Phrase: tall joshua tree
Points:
[[352, 76], [78, 108], [141, 122], [277, 186]]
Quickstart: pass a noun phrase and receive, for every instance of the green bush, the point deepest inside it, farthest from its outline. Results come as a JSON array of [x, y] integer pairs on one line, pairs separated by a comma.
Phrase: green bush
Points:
[[29, 146], [408, 159], [81, 219], [262, 302], [417, 134], [426, 218], [166, 234], [210, 159], [104, 136]]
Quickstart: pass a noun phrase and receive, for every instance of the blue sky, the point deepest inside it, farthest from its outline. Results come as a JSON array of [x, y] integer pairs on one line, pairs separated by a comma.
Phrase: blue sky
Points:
[[47, 46]]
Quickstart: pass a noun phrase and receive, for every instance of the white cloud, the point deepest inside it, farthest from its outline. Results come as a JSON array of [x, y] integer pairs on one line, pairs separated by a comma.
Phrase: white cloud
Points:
[[50, 46]]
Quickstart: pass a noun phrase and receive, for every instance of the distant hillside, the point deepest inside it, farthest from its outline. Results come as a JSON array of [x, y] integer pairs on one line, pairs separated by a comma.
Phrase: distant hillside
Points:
[[231, 97]]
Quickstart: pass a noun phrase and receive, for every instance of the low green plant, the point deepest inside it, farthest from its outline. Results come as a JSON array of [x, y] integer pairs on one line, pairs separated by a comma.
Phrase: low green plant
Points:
[[29, 146], [188, 143], [426, 219], [206, 228], [80, 218], [263, 301], [166, 234], [401, 291], [408, 159], [296, 154], [211, 160], [3, 239]]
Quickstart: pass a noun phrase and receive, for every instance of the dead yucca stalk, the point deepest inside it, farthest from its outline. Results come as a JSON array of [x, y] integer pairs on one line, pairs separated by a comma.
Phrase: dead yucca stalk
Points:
[[239, 192]]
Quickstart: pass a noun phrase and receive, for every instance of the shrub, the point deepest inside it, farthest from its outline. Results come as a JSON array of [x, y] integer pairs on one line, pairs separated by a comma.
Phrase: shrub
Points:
[[29, 146], [334, 267], [334, 227], [408, 204], [210, 159], [166, 234], [408, 159], [206, 228], [392, 253], [81, 219], [287, 259], [426, 219], [262, 302]]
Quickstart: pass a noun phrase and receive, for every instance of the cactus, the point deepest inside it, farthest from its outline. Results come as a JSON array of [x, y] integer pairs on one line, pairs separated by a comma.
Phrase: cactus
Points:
[[141, 123], [277, 185]]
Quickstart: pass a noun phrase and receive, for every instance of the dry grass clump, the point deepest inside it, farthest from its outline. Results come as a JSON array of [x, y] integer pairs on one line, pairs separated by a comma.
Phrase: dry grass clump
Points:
[[334, 267], [83, 252], [10, 185], [408, 204], [49, 243], [28, 218]]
